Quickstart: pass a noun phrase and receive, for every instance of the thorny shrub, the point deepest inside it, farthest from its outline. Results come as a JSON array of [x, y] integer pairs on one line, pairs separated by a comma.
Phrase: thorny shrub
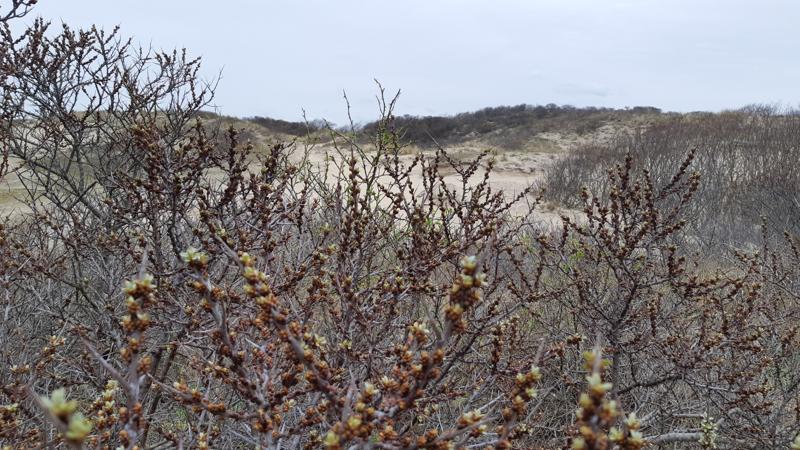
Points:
[[169, 286], [748, 159]]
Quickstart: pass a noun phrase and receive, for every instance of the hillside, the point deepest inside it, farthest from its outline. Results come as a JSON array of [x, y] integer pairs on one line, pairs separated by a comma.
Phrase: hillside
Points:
[[524, 139]]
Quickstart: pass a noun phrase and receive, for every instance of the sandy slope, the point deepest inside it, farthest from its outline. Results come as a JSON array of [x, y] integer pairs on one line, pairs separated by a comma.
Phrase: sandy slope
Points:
[[514, 171], [10, 189]]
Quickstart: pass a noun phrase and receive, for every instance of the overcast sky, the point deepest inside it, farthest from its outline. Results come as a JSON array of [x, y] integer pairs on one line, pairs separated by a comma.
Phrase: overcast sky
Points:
[[279, 57]]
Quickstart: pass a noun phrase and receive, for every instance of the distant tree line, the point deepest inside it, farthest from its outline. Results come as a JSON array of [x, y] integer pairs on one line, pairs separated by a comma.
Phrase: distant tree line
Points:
[[425, 130], [288, 127], [515, 123]]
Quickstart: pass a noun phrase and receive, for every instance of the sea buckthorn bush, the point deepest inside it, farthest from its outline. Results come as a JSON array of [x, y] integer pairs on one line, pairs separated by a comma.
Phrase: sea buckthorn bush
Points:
[[170, 285], [747, 158]]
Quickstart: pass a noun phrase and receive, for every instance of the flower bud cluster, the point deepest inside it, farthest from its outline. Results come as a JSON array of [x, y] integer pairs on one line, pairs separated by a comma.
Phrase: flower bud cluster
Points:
[[465, 292], [75, 426], [597, 416]]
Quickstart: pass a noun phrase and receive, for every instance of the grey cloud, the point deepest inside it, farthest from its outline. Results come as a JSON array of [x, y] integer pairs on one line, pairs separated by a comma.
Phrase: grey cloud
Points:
[[281, 56]]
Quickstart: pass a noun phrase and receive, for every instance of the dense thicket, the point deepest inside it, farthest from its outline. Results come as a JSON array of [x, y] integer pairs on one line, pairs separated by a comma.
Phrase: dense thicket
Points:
[[748, 160], [169, 287]]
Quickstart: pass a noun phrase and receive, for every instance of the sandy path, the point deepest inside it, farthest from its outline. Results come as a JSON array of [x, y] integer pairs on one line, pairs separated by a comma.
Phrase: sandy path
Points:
[[513, 173]]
